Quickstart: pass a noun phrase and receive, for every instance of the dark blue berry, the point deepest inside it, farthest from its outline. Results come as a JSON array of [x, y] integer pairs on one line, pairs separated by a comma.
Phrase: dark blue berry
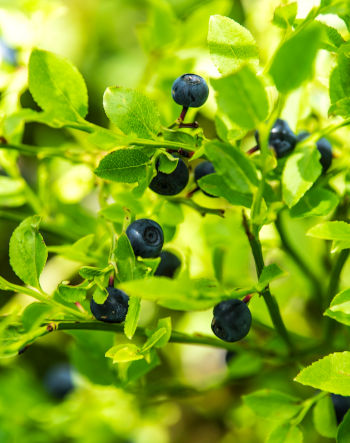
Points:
[[341, 406], [229, 356], [232, 320], [190, 90], [282, 139], [203, 169], [169, 264], [146, 238], [324, 147], [114, 308], [58, 380], [173, 183], [8, 54]]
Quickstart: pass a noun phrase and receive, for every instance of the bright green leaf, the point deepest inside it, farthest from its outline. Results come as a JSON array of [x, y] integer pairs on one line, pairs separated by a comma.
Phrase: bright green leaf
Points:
[[293, 62], [315, 203], [284, 16], [269, 273], [124, 353], [72, 294], [242, 97], [28, 252], [343, 434], [330, 373], [300, 172], [285, 433], [339, 308], [231, 45], [132, 317], [215, 185], [132, 112], [57, 86], [324, 418], [331, 230], [125, 258], [123, 165]]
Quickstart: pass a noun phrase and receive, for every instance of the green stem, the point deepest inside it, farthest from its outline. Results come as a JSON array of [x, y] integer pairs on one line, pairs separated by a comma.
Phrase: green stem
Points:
[[270, 300], [307, 405], [298, 260], [201, 209], [330, 325]]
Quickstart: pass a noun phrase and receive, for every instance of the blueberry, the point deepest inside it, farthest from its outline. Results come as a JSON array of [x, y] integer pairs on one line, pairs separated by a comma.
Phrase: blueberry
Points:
[[230, 355], [114, 308], [169, 264], [58, 380], [324, 147], [190, 90], [232, 320], [203, 169], [173, 183], [341, 406], [146, 238], [282, 139], [8, 54]]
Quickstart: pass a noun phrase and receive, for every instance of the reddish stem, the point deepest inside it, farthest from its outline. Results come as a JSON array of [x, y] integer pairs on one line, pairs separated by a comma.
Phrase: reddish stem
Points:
[[183, 114], [247, 298], [111, 280], [252, 150]]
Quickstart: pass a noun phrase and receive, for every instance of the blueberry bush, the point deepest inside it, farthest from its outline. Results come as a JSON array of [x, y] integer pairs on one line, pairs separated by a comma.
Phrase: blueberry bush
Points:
[[174, 213]]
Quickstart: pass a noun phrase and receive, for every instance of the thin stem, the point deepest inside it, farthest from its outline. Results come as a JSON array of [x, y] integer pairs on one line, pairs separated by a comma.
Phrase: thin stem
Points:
[[333, 285], [298, 260], [270, 300], [201, 209]]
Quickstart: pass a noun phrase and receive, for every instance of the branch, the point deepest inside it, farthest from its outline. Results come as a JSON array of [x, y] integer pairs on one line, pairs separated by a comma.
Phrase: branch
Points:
[[270, 300], [201, 209]]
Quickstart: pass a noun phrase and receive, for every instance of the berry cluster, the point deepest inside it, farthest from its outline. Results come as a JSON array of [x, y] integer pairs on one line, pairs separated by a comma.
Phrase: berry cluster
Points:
[[232, 318], [283, 141]]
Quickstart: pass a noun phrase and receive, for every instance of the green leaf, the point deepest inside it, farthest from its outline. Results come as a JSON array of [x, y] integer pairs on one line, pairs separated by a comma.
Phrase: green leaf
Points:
[[233, 165], [231, 45], [293, 62], [339, 86], [215, 185], [132, 112], [269, 273], [28, 253], [343, 434], [331, 230], [164, 323], [166, 163], [317, 202], [331, 374], [124, 353], [242, 97], [57, 86], [34, 314], [273, 405], [125, 166], [170, 214], [100, 295], [285, 433], [300, 172], [339, 308], [90, 272], [132, 317], [245, 364], [324, 418], [179, 294], [72, 294], [284, 16], [154, 339], [78, 251], [125, 258]]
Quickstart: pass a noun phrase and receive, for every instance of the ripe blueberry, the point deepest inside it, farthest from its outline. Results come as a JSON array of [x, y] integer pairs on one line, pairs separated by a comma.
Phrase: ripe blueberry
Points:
[[203, 169], [324, 147], [281, 138], [58, 380], [169, 263], [229, 356], [190, 90], [114, 308], [232, 320], [173, 183], [146, 238], [341, 406]]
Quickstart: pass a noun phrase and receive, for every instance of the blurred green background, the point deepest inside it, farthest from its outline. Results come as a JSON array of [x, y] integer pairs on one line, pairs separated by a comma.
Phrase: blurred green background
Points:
[[191, 396]]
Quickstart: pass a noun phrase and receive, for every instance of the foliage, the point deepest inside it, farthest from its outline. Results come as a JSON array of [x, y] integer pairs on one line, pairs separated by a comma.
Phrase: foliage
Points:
[[277, 235]]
